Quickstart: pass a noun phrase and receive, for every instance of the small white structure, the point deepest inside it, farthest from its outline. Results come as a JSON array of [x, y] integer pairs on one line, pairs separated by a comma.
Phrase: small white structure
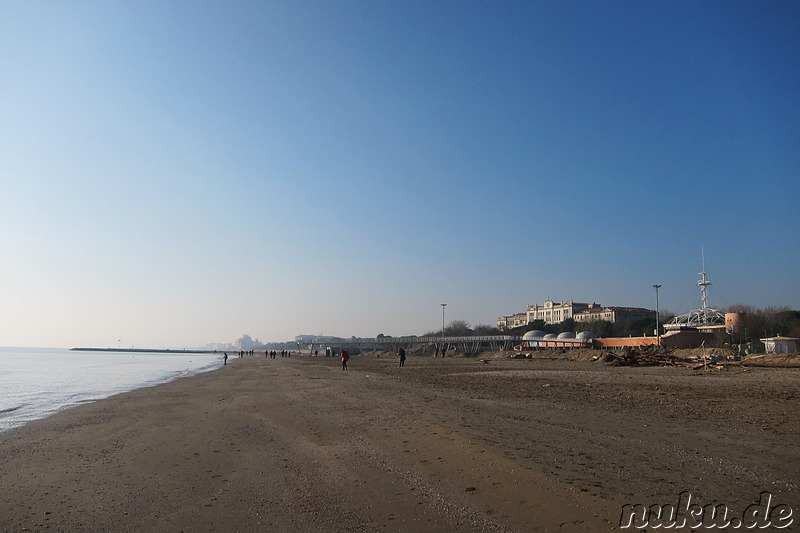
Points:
[[567, 339], [780, 344]]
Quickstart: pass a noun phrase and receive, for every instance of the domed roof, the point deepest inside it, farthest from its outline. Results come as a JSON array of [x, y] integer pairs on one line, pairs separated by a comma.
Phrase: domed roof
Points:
[[550, 337], [533, 334], [585, 335], [566, 335]]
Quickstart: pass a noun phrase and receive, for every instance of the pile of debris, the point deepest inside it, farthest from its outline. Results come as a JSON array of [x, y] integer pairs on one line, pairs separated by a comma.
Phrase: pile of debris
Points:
[[643, 356], [661, 356]]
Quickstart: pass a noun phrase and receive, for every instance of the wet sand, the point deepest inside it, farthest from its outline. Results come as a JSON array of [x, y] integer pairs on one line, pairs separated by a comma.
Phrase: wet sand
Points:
[[439, 445]]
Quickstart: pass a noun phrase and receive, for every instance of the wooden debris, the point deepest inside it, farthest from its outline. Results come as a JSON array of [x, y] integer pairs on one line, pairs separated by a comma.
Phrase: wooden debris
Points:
[[661, 356], [643, 356]]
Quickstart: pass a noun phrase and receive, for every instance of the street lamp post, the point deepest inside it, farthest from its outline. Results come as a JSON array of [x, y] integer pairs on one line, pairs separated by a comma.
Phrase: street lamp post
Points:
[[658, 328], [443, 306]]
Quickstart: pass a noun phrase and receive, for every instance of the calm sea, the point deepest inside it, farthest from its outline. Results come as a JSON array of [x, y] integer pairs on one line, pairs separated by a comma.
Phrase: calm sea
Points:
[[37, 382]]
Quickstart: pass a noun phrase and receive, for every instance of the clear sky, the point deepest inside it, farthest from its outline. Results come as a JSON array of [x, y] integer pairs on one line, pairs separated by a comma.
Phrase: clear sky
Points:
[[180, 173]]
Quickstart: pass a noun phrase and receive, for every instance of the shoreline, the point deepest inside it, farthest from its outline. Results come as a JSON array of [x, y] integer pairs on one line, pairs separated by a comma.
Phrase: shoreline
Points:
[[439, 445], [44, 382]]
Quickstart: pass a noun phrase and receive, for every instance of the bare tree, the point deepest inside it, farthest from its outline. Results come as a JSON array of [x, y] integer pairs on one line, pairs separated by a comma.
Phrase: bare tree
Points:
[[484, 330], [458, 328]]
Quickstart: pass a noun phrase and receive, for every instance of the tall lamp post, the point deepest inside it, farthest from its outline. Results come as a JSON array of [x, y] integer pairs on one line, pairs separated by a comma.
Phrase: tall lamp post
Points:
[[443, 306], [658, 328]]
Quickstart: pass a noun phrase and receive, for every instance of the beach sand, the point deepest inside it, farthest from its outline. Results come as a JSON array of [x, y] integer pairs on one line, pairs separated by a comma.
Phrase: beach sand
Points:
[[439, 445]]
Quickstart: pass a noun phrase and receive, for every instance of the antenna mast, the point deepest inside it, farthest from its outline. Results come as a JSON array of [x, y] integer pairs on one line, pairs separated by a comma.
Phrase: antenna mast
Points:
[[703, 282], [705, 316]]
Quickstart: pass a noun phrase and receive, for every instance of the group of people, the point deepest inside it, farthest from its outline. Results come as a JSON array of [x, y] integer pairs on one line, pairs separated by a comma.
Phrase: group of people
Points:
[[242, 353], [401, 353], [272, 354]]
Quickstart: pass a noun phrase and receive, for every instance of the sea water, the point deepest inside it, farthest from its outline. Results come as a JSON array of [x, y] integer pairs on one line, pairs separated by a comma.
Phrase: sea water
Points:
[[37, 382]]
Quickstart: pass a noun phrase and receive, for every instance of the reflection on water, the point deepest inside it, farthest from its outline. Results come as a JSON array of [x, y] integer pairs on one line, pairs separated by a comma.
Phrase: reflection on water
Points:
[[37, 382]]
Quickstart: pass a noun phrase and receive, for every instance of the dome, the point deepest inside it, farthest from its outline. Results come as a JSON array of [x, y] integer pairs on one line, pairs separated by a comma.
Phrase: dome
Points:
[[533, 334], [566, 335], [550, 337], [585, 335]]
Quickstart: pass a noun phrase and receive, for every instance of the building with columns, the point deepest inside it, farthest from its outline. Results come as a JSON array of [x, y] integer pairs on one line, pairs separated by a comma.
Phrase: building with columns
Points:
[[554, 312], [550, 313], [613, 314]]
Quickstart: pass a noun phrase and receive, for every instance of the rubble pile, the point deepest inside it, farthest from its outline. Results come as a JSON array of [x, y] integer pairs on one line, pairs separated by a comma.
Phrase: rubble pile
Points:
[[661, 356], [643, 356]]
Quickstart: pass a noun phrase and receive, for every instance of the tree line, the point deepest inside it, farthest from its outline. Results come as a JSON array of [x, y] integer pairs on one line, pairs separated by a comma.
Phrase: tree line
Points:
[[767, 322]]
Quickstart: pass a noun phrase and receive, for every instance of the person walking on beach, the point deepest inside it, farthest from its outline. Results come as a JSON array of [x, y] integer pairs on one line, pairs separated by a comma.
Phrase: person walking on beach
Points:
[[225, 359], [402, 353], [345, 359]]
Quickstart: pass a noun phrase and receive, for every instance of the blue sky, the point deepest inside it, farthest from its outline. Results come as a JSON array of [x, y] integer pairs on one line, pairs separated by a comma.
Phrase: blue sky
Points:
[[180, 173]]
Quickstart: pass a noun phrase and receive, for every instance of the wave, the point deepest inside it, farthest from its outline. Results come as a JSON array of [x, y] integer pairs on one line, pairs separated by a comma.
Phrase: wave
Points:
[[11, 409]]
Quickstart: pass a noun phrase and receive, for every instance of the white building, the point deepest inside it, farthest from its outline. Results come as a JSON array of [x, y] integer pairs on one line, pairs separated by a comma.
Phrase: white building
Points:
[[247, 343], [613, 314], [780, 344], [550, 313], [554, 312], [513, 321]]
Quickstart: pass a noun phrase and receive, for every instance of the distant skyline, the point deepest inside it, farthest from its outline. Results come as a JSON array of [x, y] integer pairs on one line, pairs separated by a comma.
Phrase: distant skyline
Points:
[[183, 173]]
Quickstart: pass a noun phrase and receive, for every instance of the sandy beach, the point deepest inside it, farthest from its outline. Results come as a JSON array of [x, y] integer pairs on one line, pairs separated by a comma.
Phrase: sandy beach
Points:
[[440, 445]]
